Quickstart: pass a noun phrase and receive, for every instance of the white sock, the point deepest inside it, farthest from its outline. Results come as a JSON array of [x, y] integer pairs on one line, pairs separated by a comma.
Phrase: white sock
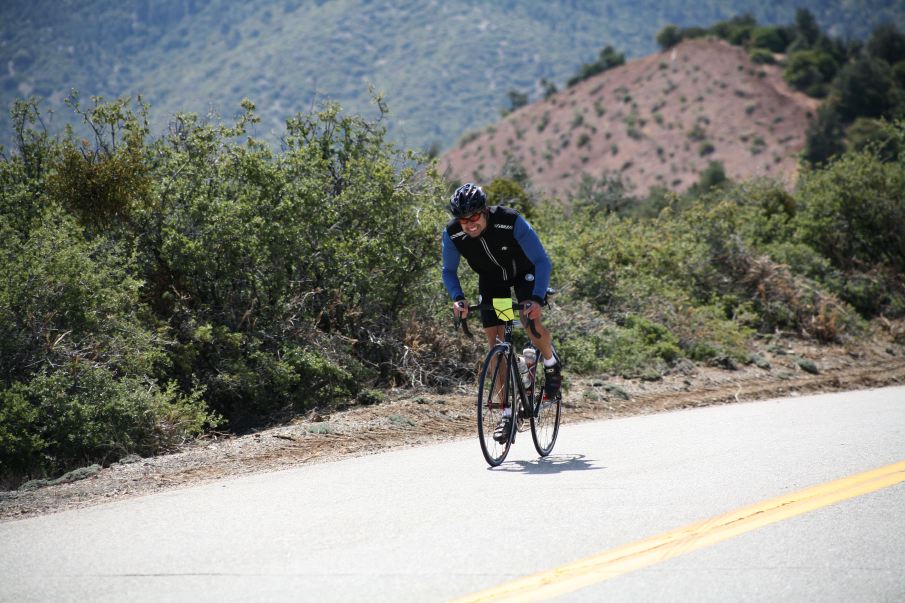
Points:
[[550, 361]]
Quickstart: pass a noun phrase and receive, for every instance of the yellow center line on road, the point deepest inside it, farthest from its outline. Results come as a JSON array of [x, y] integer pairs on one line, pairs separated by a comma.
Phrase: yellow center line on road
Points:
[[621, 560]]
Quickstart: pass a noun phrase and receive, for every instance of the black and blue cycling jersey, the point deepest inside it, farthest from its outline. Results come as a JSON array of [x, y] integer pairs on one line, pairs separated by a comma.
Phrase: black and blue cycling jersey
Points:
[[508, 253]]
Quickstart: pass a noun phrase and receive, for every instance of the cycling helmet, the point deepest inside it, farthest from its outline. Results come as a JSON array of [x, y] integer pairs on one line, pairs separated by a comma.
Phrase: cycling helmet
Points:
[[467, 199]]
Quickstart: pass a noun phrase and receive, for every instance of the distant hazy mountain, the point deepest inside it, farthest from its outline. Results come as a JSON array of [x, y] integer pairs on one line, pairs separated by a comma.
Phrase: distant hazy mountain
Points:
[[445, 66]]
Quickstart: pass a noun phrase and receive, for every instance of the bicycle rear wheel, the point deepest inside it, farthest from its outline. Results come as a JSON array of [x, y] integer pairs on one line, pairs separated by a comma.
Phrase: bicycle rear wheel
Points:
[[545, 418], [495, 394]]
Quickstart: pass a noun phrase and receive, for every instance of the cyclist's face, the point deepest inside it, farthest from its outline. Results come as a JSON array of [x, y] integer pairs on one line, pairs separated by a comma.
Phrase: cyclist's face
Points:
[[474, 224]]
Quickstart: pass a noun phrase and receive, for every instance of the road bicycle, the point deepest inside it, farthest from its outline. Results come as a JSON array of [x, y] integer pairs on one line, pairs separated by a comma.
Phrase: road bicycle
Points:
[[505, 386]]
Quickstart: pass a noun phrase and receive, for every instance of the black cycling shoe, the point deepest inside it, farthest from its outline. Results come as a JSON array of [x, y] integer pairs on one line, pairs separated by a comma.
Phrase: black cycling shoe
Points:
[[552, 381], [503, 429]]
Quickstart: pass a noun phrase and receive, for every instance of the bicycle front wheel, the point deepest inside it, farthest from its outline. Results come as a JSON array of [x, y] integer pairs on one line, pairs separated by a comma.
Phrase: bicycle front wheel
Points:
[[545, 418], [495, 396]]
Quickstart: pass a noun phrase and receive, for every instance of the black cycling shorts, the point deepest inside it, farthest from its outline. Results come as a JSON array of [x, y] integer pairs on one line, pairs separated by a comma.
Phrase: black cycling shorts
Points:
[[490, 290]]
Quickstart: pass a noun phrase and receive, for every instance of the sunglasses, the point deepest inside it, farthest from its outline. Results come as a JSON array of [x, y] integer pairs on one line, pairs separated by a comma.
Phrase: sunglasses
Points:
[[472, 218]]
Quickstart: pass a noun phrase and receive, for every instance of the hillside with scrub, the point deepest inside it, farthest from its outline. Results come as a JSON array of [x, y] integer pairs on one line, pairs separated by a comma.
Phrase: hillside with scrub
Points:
[[657, 121], [736, 100], [157, 289]]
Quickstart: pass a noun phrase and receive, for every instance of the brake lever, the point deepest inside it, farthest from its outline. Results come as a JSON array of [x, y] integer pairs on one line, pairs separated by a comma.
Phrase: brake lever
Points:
[[461, 322]]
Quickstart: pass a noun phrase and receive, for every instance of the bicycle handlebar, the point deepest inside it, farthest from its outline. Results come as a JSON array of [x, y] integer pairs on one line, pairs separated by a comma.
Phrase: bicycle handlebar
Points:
[[477, 307]]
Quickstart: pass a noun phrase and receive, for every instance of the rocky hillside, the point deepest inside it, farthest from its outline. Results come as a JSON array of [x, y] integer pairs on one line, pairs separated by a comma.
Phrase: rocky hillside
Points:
[[657, 121]]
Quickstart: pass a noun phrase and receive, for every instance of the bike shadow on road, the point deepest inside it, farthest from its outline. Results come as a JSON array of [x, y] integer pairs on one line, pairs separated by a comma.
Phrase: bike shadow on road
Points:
[[555, 463]]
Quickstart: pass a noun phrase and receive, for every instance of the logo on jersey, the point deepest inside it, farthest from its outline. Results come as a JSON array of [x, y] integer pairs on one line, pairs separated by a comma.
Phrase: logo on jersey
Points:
[[503, 226]]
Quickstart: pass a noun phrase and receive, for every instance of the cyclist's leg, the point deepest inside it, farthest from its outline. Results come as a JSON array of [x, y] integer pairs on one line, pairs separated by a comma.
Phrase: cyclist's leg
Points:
[[494, 335], [544, 343], [493, 326]]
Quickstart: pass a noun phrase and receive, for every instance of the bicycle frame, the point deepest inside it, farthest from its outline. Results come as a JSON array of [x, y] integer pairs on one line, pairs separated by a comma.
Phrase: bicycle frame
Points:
[[514, 373], [526, 398], [501, 391]]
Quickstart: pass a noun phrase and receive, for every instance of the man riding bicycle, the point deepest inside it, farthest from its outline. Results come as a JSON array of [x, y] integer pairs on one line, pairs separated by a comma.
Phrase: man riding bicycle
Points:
[[506, 253]]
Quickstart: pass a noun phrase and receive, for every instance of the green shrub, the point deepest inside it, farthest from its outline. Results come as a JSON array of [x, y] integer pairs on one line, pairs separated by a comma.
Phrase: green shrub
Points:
[[713, 176], [770, 38], [697, 132], [630, 346], [64, 299], [898, 74], [21, 446], [865, 88], [853, 211], [271, 283], [503, 191], [761, 56], [607, 59], [104, 183], [284, 276], [79, 414], [607, 194], [80, 367], [739, 270], [867, 133], [637, 349], [824, 136], [887, 43], [649, 272], [736, 30], [371, 396], [874, 292], [810, 71], [675, 268], [668, 36]]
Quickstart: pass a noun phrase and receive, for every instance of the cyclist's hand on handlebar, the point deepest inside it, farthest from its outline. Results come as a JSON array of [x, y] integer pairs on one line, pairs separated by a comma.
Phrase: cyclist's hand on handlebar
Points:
[[532, 310], [460, 309]]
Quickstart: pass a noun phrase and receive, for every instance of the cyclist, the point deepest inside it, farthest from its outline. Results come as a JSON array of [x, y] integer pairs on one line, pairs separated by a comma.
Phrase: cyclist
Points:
[[506, 253]]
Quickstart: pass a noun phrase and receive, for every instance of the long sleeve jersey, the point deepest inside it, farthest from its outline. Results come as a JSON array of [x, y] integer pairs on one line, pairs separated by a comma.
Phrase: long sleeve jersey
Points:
[[507, 248]]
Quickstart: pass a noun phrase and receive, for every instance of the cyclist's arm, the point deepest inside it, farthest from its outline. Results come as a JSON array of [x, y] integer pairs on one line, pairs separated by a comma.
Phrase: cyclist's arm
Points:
[[531, 245], [451, 257]]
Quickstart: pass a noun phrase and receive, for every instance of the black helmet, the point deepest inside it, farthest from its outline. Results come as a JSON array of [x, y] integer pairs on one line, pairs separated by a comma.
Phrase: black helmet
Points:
[[467, 199]]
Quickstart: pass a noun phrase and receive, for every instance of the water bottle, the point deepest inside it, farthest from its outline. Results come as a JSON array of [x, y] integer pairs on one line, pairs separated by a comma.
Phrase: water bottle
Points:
[[523, 371], [529, 357]]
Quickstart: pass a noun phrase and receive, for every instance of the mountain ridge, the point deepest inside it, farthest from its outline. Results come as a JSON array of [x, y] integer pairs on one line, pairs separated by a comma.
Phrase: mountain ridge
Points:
[[445, 67]]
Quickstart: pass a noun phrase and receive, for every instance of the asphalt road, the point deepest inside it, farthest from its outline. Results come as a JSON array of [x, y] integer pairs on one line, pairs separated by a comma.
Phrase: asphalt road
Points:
[[434, 524]]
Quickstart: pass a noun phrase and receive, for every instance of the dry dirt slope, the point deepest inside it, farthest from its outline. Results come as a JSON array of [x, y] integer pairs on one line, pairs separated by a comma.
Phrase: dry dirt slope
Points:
[[658, 120]]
